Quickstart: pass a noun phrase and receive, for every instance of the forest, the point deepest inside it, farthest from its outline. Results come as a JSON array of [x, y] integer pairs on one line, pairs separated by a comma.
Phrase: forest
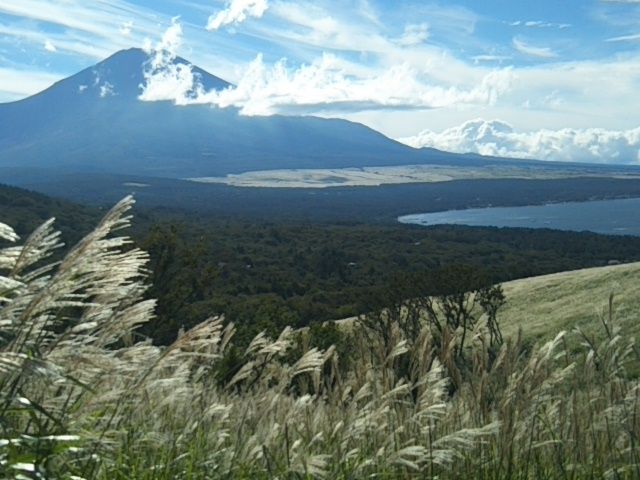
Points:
[[267, 275]]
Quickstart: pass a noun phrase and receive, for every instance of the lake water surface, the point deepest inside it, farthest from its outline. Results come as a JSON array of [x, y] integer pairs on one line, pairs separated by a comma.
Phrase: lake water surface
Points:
[[613, 217]]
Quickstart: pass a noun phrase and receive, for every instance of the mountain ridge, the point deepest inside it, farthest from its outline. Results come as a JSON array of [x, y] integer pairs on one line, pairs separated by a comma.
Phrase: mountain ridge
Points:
[[131, 63]]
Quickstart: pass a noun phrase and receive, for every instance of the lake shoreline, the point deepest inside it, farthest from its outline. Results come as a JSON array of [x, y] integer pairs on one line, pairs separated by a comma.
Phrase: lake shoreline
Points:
[[618, 216]]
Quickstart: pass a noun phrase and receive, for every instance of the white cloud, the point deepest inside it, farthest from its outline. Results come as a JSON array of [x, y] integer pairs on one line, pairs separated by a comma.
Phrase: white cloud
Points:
[[533, 51], [126, 28], [414, 34], [96, 18], [497, 138], [237, 11], [309, 26], [539, 24], [49, 46], [63, 42], [489, 58], [167, 48], [83, 29], [625, 38], [19, 83], [322, 85], [164, 78]]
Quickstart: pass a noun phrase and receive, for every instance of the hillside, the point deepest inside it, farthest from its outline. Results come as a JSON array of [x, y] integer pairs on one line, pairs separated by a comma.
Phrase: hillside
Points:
[[544, 305], [25, 210], [406, 404]]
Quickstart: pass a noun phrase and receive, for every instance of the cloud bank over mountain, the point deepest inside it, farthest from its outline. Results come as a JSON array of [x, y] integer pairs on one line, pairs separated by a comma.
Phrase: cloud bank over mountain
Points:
[[497, 138], [325, 84]]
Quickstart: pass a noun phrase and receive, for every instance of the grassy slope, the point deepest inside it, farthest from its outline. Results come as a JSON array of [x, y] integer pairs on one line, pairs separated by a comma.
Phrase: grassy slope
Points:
[[544, 305]]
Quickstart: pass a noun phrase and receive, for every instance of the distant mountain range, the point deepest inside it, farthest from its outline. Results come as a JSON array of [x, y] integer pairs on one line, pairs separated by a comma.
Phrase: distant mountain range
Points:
[[94, 121]]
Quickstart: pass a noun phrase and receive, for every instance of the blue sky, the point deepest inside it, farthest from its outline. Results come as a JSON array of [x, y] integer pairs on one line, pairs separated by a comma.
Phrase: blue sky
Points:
[[521, 76]]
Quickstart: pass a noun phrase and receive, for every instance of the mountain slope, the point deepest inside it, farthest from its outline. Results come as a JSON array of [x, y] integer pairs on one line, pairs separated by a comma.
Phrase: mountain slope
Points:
[[94, 121], [26, 210]]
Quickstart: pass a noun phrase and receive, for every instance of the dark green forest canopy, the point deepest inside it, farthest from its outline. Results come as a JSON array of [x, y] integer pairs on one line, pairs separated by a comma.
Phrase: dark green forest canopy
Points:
[[265, 275], [25, 210]]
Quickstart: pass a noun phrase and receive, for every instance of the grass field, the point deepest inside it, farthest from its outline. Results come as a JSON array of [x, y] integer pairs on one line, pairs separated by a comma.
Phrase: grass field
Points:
[[80, 399], [542, 306]]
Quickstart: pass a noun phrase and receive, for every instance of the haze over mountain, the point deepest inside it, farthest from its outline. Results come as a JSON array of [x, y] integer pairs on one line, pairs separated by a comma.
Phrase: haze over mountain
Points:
[[94, 120]]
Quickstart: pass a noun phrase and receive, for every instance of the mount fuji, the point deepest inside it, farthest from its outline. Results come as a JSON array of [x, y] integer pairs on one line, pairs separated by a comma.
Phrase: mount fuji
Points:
[[94, 121]]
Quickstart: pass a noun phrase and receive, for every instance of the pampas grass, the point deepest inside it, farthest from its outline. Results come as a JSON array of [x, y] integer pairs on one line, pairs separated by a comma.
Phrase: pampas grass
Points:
[[81, 397]]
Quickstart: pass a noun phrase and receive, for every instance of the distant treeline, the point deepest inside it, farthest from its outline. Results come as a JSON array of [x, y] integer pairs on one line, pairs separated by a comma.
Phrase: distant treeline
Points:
[[339, 204], [25, 210]]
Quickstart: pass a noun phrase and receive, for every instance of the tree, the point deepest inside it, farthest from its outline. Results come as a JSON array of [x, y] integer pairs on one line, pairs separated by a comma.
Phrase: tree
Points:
[[451, 300]]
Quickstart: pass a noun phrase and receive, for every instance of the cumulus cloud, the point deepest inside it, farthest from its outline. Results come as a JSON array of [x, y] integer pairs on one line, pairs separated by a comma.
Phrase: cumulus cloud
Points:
[[497, 138], [49, 46], [166, 79], [323, 85], [532, 50], [237, 11]]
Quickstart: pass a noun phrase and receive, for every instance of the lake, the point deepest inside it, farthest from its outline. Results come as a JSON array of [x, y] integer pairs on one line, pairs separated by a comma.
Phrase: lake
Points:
[[612, 217]]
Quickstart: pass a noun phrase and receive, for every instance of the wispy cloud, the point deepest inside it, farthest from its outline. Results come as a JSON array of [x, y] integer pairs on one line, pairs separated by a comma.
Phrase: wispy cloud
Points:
[[94, 20], [69, 42], [490, 58], [414, 34], [625, 38], [497, 138], [18, 83], [126, 28], [89, 29], [539, 24], [533, 50], [237, 11]]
